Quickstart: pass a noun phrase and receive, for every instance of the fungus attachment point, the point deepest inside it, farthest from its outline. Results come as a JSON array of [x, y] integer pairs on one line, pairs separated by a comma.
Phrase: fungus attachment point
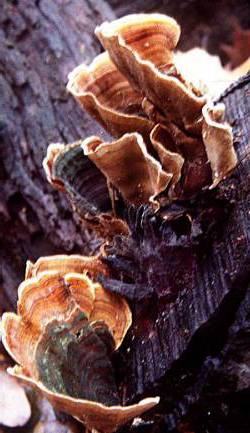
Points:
[[63, 337]]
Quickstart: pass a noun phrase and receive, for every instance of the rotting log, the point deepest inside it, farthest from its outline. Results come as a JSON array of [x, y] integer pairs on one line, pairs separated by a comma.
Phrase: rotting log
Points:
[[40, 43], [194, 351]]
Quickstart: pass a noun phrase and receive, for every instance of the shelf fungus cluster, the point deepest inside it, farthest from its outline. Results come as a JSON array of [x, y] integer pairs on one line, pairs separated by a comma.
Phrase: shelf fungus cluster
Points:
[[170, 140], [63, 337], [170, 143]]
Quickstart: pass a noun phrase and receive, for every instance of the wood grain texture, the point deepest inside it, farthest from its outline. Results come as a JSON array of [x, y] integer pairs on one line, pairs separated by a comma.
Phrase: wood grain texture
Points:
[[40, 43], [198, 362], [163, 328]]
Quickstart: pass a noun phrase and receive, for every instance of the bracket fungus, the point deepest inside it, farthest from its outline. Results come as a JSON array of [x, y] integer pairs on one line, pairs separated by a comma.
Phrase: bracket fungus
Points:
[[63, 337], [170, 144], [142, 47], [68, 170], [108, 97], [171, 141]]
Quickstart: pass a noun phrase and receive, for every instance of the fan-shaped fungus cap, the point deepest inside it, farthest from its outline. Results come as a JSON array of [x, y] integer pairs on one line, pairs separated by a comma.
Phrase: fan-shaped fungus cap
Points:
[[172, 162], [152, 36], [108, 97], [64, 264], [142, 47], [171, 142], [115, 160], [218, 141], [63, 336], [68, 170]]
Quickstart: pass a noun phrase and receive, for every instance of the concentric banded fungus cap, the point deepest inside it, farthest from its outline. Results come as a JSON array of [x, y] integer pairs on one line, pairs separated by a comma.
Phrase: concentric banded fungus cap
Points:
[[63, 337], [142, 48], [108, 97], [171, 142], [115, 160], [92, 266]]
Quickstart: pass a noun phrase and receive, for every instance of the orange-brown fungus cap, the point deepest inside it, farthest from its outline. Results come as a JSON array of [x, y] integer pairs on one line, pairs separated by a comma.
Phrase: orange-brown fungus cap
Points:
[[128, 166], [108, 97], [67, 263], [142, 47], [170, 144], [66, 327], [218, 141], [94, 415]]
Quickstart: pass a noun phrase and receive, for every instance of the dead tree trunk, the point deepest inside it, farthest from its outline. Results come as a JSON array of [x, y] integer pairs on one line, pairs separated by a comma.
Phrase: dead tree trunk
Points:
[[40, 43]]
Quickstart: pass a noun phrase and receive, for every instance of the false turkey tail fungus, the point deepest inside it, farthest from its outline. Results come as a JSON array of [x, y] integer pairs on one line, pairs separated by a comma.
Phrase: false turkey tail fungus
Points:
[[63, 336], [153, 193], [68, 170], [135, 91]]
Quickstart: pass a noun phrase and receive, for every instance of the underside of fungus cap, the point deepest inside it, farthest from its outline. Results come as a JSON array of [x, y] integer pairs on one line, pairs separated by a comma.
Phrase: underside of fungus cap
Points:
[[69, 170]]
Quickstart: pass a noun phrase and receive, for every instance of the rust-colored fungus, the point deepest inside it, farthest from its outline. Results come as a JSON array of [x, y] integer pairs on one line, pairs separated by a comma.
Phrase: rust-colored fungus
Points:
[[115, 160], [217, 137], [63, 337], [91, 266], [108, 97], [170, 139], [142, 47]]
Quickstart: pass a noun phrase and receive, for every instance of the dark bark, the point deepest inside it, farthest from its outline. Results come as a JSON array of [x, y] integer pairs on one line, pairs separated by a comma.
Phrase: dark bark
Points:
[[170, 338], [40, 43]]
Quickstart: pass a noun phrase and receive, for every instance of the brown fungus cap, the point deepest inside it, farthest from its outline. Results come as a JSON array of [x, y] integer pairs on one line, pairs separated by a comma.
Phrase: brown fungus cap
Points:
[[62, 337], [170, 141], [68, 170], [172, 162], [115, 160], [108, 97], [94, 415], [142, 48], [218, 140], [64, 264]]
